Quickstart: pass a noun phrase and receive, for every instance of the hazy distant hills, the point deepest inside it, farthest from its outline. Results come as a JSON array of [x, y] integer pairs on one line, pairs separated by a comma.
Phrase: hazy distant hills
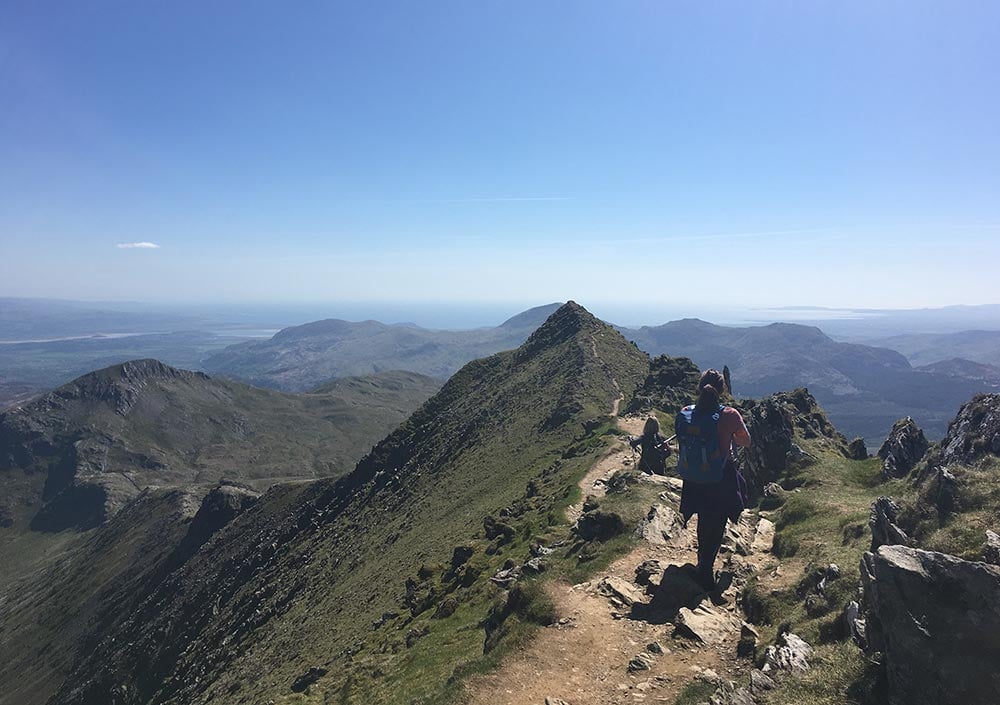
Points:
[[981, 346], [863, 388], [73, 457], [301, 357]]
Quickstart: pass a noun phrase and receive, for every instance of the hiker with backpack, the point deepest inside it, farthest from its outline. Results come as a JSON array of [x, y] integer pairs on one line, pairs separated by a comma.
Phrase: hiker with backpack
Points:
[[653, 448], [713, 488]]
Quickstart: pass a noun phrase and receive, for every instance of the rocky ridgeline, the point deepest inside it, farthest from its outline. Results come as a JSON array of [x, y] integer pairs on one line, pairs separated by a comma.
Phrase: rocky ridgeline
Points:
[[933, 619]]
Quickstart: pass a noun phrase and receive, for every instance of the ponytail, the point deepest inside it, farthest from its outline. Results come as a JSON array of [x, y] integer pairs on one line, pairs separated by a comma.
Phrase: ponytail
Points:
[[710, 389]]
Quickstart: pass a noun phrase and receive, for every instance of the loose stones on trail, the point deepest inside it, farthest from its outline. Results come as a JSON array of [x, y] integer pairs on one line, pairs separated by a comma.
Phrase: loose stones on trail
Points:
[[706, 623], [664, 527]]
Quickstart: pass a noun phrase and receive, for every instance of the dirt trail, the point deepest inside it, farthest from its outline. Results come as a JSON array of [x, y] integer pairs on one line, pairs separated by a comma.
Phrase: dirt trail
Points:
[[584, 659]]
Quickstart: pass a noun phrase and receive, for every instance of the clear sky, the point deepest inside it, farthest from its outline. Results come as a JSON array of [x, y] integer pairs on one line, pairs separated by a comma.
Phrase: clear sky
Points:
[[815, 153]]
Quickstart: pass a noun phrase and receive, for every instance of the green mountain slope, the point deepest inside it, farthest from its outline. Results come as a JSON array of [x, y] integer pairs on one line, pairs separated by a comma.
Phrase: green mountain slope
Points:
[[298, 580], [301, 357], [75, 456]]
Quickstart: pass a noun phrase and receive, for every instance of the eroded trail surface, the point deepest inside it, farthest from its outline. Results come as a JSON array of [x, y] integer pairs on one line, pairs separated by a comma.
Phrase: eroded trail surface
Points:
[[633, 635]]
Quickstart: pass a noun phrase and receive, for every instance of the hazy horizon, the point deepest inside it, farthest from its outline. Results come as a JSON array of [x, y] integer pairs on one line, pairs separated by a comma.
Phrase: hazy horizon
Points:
[[448, 151]]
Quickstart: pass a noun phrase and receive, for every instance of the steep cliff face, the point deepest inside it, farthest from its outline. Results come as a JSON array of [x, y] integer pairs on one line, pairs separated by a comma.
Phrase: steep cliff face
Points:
[[297, 580]]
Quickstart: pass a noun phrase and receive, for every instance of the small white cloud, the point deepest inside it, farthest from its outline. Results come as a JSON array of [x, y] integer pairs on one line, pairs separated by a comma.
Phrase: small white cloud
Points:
[[138, 246]]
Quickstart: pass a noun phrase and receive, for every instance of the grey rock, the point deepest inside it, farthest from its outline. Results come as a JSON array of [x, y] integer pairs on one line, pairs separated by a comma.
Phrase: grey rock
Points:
[[535, 566], [974, 432], [655, 647], [882, 521], [945, 492], [992, 552], [555, 701], [905, 446], [619, 589], [857, 450], [641, 662], [649, 572], [791, 653], [939, 620], [749, 637], [662, 526], [705, 623], [760, 682], [507, 577]]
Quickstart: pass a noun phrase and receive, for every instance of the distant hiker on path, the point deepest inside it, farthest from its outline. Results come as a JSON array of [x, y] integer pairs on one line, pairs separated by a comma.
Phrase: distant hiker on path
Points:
[[654, 448], [713, 489]]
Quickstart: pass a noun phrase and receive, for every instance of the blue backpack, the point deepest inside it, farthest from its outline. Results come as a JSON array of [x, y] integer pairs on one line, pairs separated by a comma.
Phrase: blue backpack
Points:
[[700, 458]]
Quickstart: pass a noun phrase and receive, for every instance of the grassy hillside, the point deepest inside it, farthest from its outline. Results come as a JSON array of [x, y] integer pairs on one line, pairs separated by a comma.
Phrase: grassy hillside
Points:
[[76, 455], [358, 577]]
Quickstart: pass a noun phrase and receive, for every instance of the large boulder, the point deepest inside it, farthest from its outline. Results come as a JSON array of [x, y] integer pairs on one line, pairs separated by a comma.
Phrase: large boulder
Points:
[[974, 432], [936, 620], [905, 446]]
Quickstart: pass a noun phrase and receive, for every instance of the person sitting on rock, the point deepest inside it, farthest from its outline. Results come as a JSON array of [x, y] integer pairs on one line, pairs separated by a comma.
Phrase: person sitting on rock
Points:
[[654, 448], [715, 502]]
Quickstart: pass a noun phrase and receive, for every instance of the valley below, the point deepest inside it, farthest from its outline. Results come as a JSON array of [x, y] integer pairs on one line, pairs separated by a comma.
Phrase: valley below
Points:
[[173, 537]]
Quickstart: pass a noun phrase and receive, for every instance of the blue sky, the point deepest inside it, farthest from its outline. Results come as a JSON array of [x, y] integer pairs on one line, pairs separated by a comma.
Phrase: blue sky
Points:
[[780, 153]]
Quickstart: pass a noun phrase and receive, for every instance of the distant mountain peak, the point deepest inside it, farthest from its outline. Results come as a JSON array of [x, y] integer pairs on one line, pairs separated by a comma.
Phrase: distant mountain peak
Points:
[[531, 318], [119, 385], [569, 320]]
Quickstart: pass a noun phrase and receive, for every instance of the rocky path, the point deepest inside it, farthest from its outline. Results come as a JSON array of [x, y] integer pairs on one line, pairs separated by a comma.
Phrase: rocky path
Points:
[[629, 636]]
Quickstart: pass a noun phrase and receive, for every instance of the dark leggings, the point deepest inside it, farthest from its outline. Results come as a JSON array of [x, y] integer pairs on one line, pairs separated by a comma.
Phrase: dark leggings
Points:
[[711, 530]]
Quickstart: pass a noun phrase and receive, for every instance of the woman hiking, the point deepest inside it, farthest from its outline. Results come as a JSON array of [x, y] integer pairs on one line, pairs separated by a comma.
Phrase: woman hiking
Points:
[[702, 457], [654, 448]]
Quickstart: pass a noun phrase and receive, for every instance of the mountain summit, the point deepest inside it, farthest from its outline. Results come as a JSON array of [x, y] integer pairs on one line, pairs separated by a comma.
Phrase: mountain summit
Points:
[[294, 584]]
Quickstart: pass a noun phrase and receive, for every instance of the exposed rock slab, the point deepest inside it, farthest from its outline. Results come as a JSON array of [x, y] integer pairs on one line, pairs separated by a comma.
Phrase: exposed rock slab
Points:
[[706, 623], [936, 618]]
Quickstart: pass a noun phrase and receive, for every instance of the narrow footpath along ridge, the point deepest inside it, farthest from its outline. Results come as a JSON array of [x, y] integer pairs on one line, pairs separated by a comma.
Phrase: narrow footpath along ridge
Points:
[[640, 630]]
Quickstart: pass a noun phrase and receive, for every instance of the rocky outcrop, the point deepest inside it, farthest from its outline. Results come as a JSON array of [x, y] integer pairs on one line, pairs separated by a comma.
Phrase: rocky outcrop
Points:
[[936, 620], [903, 449], [773, 423], [975, 431], [220, 506], [882, 522], [857, 450], [672, 383]]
